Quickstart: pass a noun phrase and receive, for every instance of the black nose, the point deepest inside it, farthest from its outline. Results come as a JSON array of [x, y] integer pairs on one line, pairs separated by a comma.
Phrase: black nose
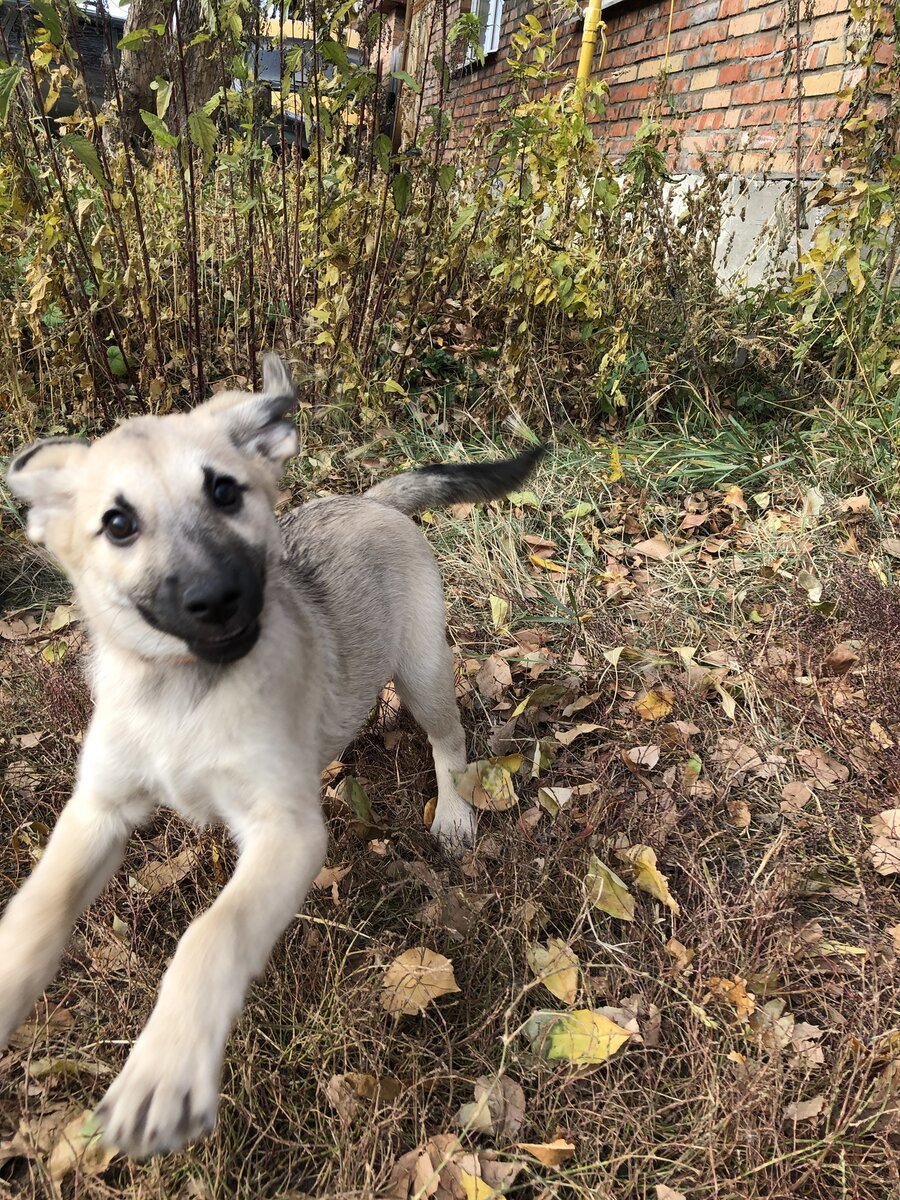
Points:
[[213, 603]]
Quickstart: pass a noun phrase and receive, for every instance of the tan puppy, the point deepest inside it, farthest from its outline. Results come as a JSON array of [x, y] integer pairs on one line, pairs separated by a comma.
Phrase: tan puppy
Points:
[[234, 656]]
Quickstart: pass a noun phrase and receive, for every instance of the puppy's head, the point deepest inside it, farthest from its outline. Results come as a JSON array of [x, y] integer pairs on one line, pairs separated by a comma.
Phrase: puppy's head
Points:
[[165, 525]]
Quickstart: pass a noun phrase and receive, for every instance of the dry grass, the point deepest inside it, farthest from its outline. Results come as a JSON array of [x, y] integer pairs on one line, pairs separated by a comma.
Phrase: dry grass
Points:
[[785, 901]]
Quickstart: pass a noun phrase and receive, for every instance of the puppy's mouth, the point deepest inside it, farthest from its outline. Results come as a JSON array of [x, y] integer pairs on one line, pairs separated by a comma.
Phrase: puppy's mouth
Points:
[[227, 649]]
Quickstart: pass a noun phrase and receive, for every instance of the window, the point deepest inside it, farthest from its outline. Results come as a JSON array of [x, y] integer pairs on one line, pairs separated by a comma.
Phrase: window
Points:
[[490, 14]]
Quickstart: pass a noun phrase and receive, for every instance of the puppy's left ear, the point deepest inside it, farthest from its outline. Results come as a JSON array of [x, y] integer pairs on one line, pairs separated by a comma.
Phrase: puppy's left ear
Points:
[[257, 421]]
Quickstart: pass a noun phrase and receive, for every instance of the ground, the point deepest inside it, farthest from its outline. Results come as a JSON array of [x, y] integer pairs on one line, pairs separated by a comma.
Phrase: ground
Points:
[[680, 653]]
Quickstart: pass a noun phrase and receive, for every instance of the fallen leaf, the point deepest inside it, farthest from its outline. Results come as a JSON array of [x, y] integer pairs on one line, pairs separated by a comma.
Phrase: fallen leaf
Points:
[[567, 737], [494, 677], [841, 659], [346, 1093], [827, 771], [739, 812], [734, 498], [474, 1187], [552, 799], [656, 703], [795, 795], [499, 611], [607, 892], [582, 1036], [885, 849], [488, 783], [549, 1154], [656, 548], [498, 1107], [854, 504], [682, 955], [330, 877], [812, 503], [646, 875], [80, 1147], [804, 1110], [643, 756], [556, 966], [546, 564], [734, 991], [663, 1192], [158, 877], [414, 979], [891, 546], [894, 931]]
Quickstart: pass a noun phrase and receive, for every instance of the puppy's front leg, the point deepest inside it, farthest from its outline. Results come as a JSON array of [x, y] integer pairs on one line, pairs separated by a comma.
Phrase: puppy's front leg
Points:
[[84, 852], [167, 1092]]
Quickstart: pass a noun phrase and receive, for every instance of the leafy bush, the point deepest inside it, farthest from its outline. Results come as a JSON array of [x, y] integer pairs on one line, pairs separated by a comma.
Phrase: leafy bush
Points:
[[530, 270]]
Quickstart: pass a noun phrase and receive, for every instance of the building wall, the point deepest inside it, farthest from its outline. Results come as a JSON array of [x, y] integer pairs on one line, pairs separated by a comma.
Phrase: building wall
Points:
[[727, 79]]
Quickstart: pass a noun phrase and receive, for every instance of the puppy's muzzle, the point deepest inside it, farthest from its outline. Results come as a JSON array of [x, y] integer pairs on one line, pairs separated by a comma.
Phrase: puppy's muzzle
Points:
[[216, 611]]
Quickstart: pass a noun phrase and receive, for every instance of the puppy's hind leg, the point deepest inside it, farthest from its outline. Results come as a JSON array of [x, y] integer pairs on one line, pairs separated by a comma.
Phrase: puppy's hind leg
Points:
[[425, 684]]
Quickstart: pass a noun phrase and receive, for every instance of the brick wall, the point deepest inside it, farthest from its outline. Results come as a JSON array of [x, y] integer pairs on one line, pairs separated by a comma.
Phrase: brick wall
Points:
[[726, 63]]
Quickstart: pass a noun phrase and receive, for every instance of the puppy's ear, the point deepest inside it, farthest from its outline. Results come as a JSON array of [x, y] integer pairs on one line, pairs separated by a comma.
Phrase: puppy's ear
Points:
[[44, 475], [256, 421]]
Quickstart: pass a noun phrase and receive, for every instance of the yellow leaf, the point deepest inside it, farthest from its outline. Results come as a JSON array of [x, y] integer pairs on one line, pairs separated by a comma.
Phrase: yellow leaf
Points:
[[556, 966], [585, 1036], [475, 1188], [546, 564], [488, 784], [854, 270], [414, 979], [550, 1154], [734, 498], [607, 892], [646, 875], [615, 466], [656, 703], [735, 992], [499, 611]]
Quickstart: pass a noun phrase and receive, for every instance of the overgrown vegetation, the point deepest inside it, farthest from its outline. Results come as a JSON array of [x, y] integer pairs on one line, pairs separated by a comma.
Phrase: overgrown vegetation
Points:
[[686, 630], [529, 270]]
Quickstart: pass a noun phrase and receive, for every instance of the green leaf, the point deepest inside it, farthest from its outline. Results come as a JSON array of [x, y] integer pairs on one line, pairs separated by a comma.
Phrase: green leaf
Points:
[[334, 52], [353, 792], [163, 89], [161, 135], [51, 21], [202, 130], [86, 153], [582, 509], [466, 216], [9, 80], [116, 360], [401, 190], [405, 77], [382, 148], [134, 40], [446, 177]]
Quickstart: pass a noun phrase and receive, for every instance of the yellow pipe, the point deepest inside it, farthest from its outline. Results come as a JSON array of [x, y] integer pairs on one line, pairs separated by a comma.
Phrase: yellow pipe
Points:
[[593, 25]]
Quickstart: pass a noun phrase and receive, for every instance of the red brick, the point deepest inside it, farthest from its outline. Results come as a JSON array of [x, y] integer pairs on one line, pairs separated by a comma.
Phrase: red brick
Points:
[[750, 93], [760, 46], [775, 89], [733, 73]]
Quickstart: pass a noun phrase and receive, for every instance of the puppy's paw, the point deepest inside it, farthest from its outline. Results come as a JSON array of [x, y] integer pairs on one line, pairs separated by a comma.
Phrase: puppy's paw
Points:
[[166, 1095], [455, 826]]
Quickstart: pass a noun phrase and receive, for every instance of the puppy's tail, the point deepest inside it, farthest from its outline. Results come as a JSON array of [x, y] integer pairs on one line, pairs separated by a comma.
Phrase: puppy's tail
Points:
[[456, 483]]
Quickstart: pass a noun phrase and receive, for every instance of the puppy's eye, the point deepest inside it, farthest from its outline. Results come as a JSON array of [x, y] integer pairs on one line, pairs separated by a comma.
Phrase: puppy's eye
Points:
[[120, 527], [226, 493]]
